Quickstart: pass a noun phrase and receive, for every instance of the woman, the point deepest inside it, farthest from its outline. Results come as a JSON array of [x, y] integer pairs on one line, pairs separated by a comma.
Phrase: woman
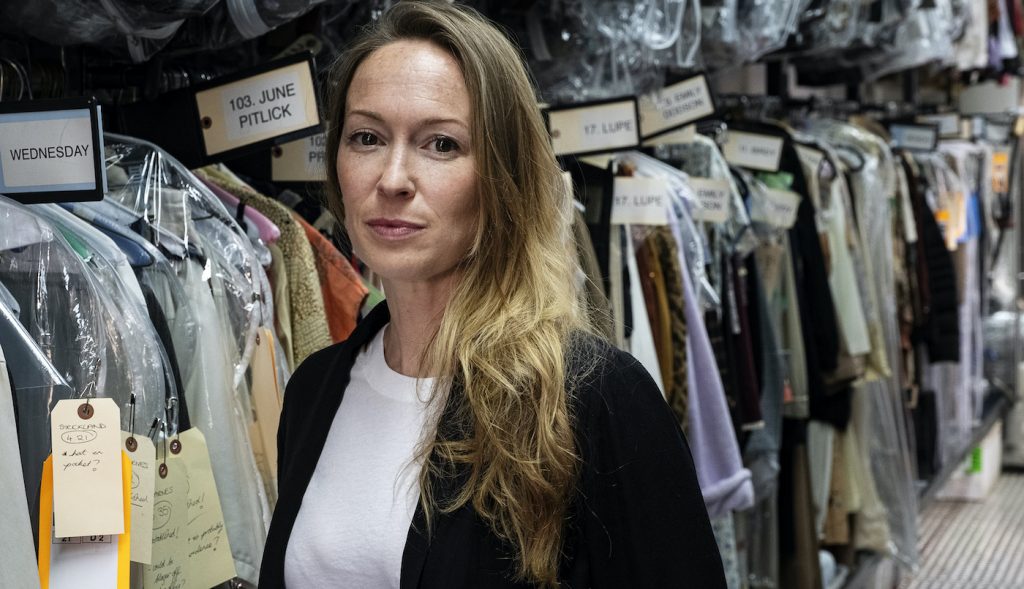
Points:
[[469, 434]]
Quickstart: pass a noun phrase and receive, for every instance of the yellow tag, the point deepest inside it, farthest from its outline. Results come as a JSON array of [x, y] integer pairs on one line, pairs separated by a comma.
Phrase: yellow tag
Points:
[[169, 567], [942, 215], [87, 483], [97, 561], [266, 398], [143, 459], [1001, 172], [209, 554]]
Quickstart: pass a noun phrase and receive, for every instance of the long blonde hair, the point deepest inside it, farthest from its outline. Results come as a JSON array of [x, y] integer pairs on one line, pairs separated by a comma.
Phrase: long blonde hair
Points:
[[503, 345]]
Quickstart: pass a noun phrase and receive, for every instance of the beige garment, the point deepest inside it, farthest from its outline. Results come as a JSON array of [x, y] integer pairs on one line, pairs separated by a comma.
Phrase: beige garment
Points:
[[872, 529], [282, 303], [310, 331]]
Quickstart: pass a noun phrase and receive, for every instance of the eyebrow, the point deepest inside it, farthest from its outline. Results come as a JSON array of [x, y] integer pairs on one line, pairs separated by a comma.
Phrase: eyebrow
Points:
[[431, 121]]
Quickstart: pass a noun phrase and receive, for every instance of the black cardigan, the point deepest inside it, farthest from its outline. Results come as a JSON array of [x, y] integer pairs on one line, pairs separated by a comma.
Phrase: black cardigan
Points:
[[638, 519]]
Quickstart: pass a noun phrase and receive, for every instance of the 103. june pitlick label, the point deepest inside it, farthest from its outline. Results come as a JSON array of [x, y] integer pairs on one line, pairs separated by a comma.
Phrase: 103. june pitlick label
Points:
[[277, 102]]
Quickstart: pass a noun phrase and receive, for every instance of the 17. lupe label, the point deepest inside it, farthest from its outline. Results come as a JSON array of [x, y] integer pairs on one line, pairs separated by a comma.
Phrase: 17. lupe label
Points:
[[640, 201], [594, 128], [277, 102], [52, 151], [676, 105]]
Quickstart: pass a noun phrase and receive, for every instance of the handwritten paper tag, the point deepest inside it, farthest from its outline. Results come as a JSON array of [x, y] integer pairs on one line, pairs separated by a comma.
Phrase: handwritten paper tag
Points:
[[712, 199], [142, 486], [676, 105], [169, 568], [778, 208], [276, 100], [209, 555], [300, 161], [86, 444], [640, 201], [98, 561], [595, 128], [754, 151]]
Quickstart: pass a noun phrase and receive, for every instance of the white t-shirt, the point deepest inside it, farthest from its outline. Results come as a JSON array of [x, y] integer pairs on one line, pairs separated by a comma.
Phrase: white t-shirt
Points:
[[356, 513]]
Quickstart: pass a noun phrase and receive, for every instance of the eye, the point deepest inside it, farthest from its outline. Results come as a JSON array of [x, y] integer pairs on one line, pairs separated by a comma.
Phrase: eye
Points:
[[364, 138], [445, 144]]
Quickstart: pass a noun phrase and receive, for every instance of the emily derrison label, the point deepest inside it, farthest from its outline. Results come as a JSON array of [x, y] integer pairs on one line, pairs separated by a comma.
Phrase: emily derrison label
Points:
[[712, 199], [594, 129], [47, 151], [675, 106], [261, 107], [640, 201], [751, 150]]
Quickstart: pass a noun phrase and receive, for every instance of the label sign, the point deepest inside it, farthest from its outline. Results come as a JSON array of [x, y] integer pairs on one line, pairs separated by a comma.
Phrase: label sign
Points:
[[209, 554], [778, 208], [683, 136], [52, 152], [300, 161], [640, 201], [87, 486], [594, 128], [948, 124], [712, 199], [143, 482], [754, 151], [915, 137], [277, 101], [674, 106]]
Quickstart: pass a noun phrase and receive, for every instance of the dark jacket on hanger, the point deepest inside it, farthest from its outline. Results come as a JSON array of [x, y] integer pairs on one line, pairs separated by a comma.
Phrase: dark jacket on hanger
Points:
[[637, 520]]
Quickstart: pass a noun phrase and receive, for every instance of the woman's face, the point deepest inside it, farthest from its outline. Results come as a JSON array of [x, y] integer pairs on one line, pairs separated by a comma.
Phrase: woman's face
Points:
[[405, 164]]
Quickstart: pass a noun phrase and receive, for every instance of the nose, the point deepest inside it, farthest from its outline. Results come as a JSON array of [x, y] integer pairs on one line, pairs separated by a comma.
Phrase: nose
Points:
[[396, 178]]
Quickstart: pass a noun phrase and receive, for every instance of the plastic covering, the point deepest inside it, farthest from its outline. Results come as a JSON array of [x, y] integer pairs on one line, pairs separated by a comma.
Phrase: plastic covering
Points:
[[140, 27], [890, 523], [224, 287], [583, 50], [741, 31]]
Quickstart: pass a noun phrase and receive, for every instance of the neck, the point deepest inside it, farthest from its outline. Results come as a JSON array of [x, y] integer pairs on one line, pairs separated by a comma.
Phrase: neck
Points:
[[416, 310]]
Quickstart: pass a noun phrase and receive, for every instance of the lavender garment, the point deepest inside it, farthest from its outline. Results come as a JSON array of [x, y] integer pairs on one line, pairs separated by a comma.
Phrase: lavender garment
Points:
[[725, 484]]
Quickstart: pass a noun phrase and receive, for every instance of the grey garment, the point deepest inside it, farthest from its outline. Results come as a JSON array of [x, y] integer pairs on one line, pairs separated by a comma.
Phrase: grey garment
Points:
[[724, 528], [37, 387], [18, 565], [820, 441], [215, 408]]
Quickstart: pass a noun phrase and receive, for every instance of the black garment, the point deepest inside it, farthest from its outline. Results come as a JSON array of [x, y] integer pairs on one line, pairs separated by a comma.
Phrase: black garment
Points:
[[638, 519]]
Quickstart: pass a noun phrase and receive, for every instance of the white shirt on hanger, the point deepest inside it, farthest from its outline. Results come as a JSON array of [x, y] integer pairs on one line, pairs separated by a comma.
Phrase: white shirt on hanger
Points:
[[356, 513]]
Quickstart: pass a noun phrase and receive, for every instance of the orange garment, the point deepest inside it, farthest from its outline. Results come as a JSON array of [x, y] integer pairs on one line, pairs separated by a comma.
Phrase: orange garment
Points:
[[342, 288]]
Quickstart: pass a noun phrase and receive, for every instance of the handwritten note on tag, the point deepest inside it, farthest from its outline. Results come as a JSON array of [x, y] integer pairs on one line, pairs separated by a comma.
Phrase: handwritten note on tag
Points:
[[778, 208], [712, 199], [169, 568], [640, 201], [142, 485], [754, 151], [209, 554], [597, 128], [98, 561], [86, 444]]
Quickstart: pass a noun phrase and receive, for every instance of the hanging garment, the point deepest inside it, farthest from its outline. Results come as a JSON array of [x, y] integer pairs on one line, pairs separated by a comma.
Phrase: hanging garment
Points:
[[16, 543], [310, 331], [266, 229], [342, 288], [664, 245], [641, 340]]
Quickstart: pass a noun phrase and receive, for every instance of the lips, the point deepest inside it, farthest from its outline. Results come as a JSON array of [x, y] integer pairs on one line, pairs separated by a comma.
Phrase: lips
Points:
[[393, 228]]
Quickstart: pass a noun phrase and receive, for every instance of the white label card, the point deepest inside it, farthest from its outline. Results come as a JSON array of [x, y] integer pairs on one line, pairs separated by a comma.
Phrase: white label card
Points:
[[640, 201], [51, 151], [687, 134], [142, 485], [594, 129], [87, 485], [300, 161], [209, 554], [914, 137], [778, 208], [261, 107], [712, 199], [675, 105], [948, 123], [752, 150]]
